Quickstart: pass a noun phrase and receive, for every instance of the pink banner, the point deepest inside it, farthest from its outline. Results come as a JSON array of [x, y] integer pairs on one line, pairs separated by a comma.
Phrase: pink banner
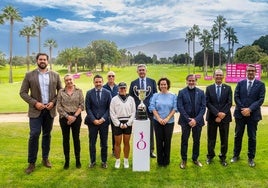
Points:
[[237, 72]]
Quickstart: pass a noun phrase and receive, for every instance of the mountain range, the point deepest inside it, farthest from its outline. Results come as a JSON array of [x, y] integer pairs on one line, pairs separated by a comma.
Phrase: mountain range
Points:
[[170, 48]]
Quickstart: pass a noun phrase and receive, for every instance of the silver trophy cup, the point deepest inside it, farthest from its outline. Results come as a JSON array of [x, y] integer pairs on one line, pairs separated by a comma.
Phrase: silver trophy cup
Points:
[[141, 109]]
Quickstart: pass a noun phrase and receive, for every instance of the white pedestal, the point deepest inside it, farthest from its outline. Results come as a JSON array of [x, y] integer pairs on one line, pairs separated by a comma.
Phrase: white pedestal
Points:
[[141, 145]]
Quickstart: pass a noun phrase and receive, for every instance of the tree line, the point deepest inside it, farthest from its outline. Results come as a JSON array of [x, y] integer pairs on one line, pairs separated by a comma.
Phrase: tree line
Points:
[[103, 52]]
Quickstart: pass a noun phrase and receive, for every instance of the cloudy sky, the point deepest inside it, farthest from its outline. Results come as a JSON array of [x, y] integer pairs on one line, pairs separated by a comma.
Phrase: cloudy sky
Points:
[[76, 23]]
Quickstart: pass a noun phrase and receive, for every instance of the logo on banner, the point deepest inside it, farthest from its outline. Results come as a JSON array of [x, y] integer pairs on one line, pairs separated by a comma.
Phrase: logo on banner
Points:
[[141, 144]]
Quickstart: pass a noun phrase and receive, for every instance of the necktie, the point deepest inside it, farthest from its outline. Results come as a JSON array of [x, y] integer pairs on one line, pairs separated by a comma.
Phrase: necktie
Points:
[[142, 83], [218, 92], [98, 95], [249, 86]]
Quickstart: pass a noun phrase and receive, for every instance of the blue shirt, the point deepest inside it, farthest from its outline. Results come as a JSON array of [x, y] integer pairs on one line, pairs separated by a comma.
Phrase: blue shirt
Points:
[[163, 103], [44, 86]]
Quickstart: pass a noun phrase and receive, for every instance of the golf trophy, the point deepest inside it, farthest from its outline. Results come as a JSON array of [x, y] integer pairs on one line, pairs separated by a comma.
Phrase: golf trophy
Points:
[[141, 109]]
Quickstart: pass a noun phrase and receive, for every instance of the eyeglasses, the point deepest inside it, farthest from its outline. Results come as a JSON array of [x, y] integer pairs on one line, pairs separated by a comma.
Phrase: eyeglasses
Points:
[[110, 75], [141, 70]]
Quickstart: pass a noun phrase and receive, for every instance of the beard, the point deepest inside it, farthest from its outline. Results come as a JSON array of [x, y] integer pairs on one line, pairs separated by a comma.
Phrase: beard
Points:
[[42, 65]]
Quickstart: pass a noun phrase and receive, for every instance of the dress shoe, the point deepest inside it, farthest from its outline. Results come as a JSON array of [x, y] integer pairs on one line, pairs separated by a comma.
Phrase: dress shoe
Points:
[[224, 163], [78, 164], [92, 165], [152, 155], [209, 161], [46, 163], [104, 165], [198, 163], [66, 165], [30, 168], [183, 165], [235, 159], [251, 163]]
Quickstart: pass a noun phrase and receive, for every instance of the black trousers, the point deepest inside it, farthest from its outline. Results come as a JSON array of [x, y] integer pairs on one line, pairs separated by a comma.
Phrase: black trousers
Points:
[[212, 129], [239, 132], [163, 136], [93, 134], [151, 133], [75, 127], [196, 133]]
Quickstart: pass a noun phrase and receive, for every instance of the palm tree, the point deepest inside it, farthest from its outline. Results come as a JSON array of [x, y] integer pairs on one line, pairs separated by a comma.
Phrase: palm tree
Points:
[[195, 32], [220, 23], [12, 14], [39, 23], [205, 41], [234, 40], [67, 56], [188, 40], [214, 36], [28, 32], [229, 32], [77, 54], [50, 43]]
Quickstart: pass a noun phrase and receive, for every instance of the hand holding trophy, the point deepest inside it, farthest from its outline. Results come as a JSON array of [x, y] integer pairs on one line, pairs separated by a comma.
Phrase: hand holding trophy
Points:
[[141, 109]]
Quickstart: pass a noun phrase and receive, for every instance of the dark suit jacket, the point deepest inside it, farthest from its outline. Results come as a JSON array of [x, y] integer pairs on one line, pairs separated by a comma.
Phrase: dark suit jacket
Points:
[[94, 109], [223, 105], [149, 82], [184, 105], [253, 101], [31, 83]]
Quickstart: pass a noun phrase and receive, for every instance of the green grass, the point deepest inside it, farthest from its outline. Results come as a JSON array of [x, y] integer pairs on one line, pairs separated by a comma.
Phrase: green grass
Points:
[[13, 157], [11, 101]]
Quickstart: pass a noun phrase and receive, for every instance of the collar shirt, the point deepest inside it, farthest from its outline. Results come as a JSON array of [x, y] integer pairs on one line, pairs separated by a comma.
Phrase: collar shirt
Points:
[[44, 86]]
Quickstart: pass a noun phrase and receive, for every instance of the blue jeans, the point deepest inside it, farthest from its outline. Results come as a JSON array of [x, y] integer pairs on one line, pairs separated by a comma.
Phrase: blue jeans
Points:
[[44, 122]]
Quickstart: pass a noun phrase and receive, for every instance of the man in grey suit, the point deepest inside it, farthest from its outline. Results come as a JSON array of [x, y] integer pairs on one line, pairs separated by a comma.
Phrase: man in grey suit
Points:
[[191, 104], [144, 82], [43, 86], [249, 96], [219, 103]]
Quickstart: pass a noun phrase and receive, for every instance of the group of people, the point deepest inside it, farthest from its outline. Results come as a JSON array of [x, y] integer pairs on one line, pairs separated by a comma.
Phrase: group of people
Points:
[[111, 104]]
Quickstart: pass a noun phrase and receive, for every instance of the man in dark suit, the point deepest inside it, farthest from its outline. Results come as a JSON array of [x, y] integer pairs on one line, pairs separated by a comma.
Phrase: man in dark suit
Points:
[[43, 86], [191, 104], [144, 82], [249, 96], [219, 103], [97, 107]]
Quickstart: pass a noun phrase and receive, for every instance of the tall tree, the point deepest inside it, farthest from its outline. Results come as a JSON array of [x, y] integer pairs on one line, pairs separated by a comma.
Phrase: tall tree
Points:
[[214, 36], [77, 54], [230, 36], [28, 32], [50, 43], [39, 23], [12, 14], [188, 39], [234, 41], [220, 23], [262, 42], [106, 52], [205, 41], [195, 32], [67, 57]]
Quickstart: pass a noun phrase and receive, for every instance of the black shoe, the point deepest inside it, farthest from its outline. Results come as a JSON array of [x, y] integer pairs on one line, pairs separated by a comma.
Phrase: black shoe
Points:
[[251, 163], [235, 159], [92, 165], [152, 155], [104, 165], [183, 164], [224, 163], [209, 161], [78, 164], [66, 165]]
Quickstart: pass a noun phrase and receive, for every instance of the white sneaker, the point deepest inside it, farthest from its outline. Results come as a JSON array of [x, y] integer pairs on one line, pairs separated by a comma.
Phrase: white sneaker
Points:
[[117, 163], [126, 164]]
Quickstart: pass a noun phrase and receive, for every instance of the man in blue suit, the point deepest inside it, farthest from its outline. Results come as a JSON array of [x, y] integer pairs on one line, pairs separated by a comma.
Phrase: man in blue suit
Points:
[[191, 104], [249, 96], [144, 82], [219, 102], [97, 107]]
